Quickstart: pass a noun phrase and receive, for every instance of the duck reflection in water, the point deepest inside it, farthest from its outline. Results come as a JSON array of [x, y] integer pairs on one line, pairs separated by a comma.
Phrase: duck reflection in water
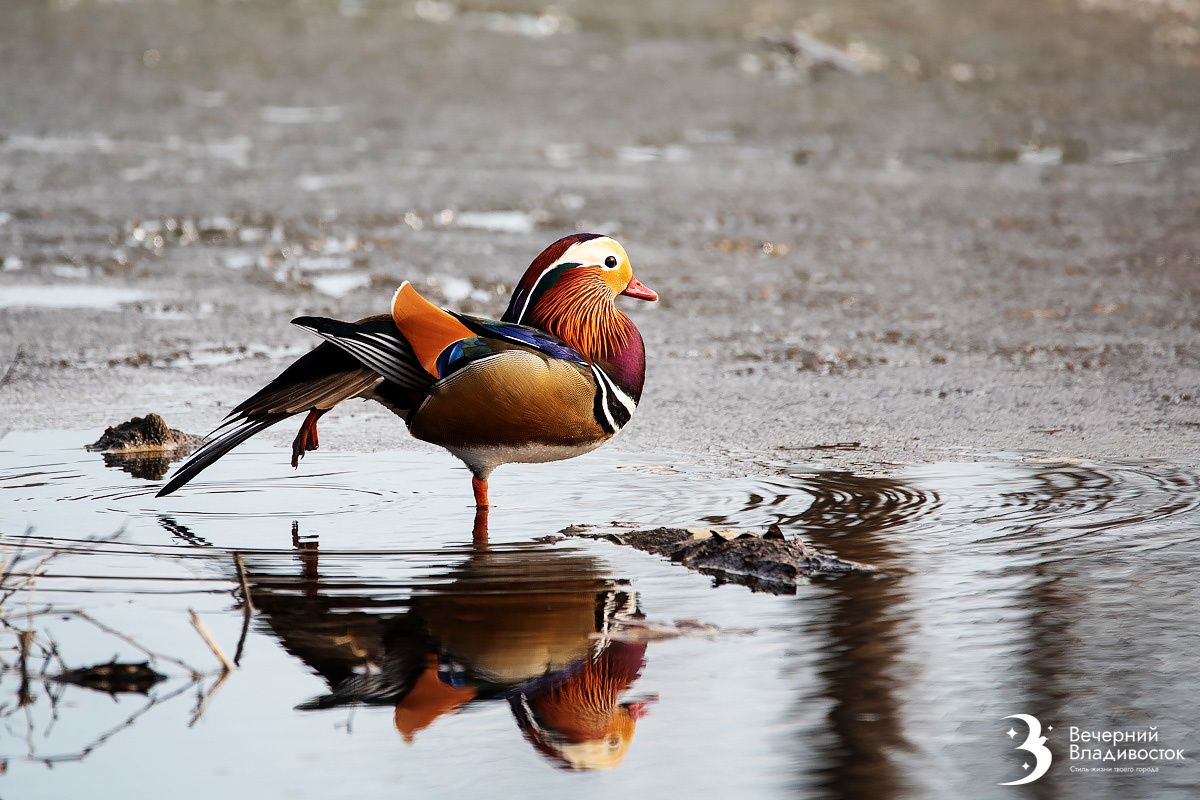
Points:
[[529, 628]]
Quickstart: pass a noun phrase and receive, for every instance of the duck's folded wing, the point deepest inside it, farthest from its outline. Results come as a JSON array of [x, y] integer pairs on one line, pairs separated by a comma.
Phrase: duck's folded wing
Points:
[[375, 344], [524, 335], [421, 343]]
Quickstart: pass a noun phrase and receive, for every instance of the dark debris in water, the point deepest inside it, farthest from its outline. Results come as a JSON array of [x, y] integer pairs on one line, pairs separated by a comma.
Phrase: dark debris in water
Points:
[[148, 434], [762, 561], [144, 447], [115, 677]]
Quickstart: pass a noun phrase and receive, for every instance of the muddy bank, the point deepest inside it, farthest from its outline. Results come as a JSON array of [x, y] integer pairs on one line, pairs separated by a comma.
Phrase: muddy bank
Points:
[[976, 235], [761, 561]]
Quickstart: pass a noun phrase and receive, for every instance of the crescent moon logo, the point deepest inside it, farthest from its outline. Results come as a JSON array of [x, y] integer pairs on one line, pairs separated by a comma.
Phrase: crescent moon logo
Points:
[[1035, 744]]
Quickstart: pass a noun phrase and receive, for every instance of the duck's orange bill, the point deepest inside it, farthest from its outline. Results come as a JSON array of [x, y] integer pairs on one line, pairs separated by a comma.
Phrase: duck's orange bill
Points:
[[640, 290]]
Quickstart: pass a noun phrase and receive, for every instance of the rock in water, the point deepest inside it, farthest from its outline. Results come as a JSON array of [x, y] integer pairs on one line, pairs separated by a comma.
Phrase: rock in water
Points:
[[148, 434], [144, 446], [115, 677], [764, 562]]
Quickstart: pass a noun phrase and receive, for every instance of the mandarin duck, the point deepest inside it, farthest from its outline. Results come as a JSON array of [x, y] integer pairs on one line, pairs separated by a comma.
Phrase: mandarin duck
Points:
[[557, 376]]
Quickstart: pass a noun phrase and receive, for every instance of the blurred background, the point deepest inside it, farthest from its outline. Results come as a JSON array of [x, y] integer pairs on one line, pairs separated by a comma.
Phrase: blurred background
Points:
[[923, 225]]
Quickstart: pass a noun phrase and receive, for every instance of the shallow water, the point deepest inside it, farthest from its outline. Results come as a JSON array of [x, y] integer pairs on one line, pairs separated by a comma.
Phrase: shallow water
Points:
[[387, 656]]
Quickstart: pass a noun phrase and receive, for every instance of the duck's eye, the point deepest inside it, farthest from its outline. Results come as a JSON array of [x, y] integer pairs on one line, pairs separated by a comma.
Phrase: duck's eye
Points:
[[611, 262]]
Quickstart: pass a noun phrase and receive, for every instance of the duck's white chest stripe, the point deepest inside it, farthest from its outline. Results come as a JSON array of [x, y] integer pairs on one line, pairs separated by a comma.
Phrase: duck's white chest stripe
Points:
[[613, 407]]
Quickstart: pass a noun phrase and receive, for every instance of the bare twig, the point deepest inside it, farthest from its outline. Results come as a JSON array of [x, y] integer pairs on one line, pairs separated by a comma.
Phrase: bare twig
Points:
[[24, 695], [207, 636], [241, 570], [205, 697], [30, 577], [247, 607], [237, 655], [134, 643], [54, 697], [104, 737]]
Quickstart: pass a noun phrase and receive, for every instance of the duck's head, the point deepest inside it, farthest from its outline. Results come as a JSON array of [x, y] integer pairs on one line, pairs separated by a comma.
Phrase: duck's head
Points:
[[569, 291]]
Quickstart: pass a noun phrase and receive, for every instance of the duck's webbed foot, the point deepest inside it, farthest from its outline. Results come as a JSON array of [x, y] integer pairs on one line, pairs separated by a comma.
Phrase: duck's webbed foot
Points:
[[306, 439]]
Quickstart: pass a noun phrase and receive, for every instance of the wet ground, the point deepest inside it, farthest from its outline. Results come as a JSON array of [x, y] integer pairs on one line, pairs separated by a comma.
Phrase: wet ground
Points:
[[982, 239], [383, 654], [929, 301]]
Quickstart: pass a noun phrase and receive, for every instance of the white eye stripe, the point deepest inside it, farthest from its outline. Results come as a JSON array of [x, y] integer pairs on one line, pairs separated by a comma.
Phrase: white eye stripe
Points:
[[588, 253], [532, 289]]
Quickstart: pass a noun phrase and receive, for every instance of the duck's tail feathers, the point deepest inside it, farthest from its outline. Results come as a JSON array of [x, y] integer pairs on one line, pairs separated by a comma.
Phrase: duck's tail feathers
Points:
[[218, 444], [320, 379], [377, 345]]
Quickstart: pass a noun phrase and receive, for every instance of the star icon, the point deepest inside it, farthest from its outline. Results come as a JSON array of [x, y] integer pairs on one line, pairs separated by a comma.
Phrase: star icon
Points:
[[1025, 766], [1011, 733]]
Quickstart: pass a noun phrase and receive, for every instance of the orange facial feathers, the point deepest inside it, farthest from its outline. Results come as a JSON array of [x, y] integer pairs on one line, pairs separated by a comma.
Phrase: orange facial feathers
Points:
[[579, 310], [429, 329]]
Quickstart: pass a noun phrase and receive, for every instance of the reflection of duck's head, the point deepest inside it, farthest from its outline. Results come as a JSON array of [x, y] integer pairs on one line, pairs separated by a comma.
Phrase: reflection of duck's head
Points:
[[579, 723]]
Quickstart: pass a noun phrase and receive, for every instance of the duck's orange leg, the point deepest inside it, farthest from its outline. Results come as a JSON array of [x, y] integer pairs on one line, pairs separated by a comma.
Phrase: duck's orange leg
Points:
[[479, 534], [480, 489], [306, 439]]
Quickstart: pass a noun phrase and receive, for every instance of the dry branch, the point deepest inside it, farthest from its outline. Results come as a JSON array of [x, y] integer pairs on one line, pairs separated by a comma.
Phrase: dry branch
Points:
[[207, 636]]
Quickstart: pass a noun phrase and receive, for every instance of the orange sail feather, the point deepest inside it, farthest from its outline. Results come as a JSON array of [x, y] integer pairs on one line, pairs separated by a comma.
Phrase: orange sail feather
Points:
[[429, 329]]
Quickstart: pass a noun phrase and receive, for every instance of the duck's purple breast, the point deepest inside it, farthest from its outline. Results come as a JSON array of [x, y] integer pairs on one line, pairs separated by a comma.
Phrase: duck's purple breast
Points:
[[627, 366]]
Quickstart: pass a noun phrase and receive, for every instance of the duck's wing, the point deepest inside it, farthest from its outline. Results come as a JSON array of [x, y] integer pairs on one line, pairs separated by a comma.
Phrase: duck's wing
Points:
[[320, 379], [427, 329], [513, 333], [375, 344], [422, 343], [510, 354]]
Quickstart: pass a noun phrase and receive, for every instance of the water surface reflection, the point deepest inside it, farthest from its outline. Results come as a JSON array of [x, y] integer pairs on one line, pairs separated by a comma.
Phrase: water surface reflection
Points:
[[528, 628], [1009, 586]]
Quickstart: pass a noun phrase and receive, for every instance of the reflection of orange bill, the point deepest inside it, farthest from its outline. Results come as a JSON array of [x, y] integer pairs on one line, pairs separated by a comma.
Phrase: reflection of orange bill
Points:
[[640, 706]]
